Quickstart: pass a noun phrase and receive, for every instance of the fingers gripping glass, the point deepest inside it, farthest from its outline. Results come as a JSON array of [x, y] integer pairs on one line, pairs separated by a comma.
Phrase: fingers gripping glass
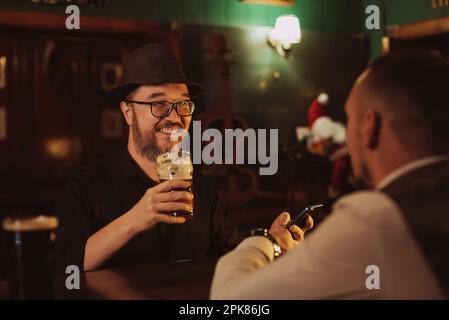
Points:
[[162, 109]]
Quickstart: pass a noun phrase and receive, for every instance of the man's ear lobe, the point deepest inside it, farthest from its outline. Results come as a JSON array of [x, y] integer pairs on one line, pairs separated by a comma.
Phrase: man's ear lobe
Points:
[[127, 112], [371, 129]]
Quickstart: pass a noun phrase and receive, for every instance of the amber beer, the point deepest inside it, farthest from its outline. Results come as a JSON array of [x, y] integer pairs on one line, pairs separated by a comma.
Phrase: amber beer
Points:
[[30, 243], [176, 166]]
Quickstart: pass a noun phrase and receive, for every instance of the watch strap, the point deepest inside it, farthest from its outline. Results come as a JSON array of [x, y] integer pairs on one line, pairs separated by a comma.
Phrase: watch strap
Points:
[[264, 233]]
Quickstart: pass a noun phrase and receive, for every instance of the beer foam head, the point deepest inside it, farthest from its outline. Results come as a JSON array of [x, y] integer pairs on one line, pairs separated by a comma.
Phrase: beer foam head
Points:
[[174, 166], [30, 223]]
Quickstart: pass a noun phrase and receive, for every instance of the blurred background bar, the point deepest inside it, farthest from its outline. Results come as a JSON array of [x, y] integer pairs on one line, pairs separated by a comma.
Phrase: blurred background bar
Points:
[[55, 114]]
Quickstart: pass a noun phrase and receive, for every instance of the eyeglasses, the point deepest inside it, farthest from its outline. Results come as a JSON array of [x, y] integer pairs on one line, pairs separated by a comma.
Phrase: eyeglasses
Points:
[[162, 109]]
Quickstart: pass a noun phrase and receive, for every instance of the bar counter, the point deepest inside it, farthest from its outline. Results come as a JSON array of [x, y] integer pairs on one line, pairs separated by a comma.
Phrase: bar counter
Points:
[[188, 280]]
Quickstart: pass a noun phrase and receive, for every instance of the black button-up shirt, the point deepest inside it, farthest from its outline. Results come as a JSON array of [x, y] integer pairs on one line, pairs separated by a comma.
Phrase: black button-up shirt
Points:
[[99, 193]]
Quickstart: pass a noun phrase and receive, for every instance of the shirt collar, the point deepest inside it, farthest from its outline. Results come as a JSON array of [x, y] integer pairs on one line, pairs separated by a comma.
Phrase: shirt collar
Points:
[[129, 168], [409, 167]]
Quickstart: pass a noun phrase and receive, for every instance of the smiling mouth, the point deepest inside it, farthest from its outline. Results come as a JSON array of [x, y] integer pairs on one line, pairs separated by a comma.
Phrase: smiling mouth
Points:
[[169, 130]]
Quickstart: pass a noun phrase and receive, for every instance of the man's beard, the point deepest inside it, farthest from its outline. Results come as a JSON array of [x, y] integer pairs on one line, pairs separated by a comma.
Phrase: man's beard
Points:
[[145, 142]]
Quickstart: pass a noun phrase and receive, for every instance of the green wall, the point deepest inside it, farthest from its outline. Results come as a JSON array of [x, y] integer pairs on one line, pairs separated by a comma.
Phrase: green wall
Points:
[[410, 11], [399, 12], [316, 15]]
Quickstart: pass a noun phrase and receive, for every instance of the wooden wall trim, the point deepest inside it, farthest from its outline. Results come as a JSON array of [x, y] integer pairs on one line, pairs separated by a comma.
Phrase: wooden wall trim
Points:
[[419, 29], [284, 3], [55, 21]]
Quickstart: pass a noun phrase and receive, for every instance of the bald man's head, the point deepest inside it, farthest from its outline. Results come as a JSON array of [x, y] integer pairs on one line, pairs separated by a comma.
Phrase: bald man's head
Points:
[[411, 92], [398, 111]]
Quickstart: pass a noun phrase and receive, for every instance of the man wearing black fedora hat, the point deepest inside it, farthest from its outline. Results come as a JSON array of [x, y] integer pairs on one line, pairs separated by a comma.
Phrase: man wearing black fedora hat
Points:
[[113, 212]]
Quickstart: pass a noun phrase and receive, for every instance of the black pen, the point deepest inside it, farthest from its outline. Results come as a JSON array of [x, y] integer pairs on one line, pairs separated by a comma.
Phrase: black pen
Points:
[[303, 213]]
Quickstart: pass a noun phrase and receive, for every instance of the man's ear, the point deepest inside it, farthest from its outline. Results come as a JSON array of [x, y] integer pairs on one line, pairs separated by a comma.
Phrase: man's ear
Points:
[[371, 129], [127, 112]]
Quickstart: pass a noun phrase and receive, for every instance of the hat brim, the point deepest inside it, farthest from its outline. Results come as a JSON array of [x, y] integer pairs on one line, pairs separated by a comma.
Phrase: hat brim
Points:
[[119, 93]]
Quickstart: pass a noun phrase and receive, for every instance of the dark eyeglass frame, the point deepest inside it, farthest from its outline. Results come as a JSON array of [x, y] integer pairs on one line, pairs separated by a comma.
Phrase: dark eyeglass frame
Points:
[[173, 105]]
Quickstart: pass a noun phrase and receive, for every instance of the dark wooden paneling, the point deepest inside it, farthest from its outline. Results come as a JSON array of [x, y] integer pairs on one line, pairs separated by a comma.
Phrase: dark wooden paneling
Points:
[[56, 103], [47, 21]]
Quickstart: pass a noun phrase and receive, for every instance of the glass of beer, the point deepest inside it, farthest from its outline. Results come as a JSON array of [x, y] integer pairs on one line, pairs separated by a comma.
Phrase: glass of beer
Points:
[[176, 166], [29, 253]]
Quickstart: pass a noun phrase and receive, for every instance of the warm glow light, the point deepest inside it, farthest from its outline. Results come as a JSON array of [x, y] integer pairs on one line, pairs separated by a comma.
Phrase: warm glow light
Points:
[[287, 29], [58, 148], [286, 32]]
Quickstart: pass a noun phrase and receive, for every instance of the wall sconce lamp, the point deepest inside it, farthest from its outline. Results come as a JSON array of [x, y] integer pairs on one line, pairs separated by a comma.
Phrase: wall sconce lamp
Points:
[[286, 32]]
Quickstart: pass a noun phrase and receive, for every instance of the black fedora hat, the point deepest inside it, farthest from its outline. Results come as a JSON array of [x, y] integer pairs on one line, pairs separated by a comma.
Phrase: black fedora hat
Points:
[[152, 64]]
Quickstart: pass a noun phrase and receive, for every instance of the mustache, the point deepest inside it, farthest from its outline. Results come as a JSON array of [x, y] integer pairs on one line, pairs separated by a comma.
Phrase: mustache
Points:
[[169, 124]]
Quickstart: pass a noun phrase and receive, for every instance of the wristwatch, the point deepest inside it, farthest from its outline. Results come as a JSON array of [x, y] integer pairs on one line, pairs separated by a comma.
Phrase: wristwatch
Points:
[[264, 233]]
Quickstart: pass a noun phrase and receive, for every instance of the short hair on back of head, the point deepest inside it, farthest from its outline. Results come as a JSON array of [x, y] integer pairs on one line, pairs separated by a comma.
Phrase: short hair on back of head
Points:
[[413, 87]]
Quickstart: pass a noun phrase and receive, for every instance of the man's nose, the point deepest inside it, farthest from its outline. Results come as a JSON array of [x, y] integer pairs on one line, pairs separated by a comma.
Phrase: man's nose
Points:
[[174, 117]]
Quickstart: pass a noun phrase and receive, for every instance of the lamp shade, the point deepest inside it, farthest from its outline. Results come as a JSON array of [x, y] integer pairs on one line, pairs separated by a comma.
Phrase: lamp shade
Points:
[[287, 30]]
